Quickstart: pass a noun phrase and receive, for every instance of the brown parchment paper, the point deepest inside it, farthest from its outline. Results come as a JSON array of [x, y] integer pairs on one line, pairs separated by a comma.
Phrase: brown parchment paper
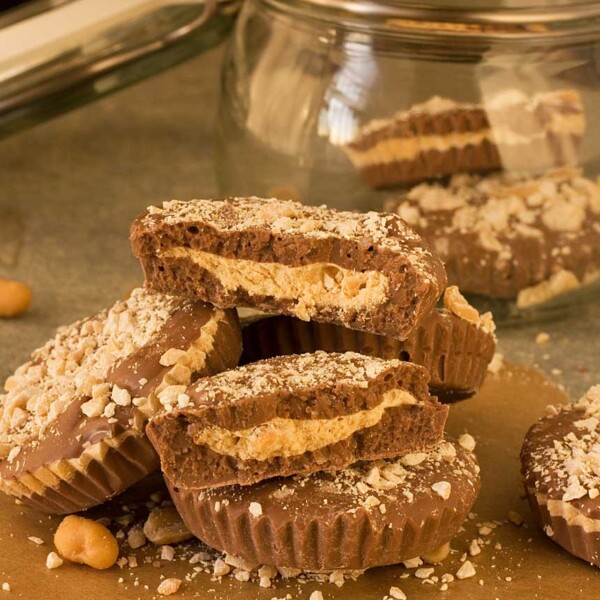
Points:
[[515, 562]]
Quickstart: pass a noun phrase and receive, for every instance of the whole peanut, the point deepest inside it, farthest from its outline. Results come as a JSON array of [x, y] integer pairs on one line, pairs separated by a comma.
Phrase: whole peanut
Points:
[[15, 298], [86, 542]]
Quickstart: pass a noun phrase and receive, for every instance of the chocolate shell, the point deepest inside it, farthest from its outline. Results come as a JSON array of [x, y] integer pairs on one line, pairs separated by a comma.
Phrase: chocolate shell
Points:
[[83, 456], [370, 515], [560, 458], [456, 352]]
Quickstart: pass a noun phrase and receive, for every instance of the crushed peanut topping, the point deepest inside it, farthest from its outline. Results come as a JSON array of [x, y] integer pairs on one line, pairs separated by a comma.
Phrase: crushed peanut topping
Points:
[[571, 466], [558, 206], [370, 485], [283, 217], [293, 373], [75, 365], [458, 305]]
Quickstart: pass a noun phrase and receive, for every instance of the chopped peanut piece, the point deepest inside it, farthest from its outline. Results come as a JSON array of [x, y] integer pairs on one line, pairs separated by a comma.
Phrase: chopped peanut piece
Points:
[[15, 298]]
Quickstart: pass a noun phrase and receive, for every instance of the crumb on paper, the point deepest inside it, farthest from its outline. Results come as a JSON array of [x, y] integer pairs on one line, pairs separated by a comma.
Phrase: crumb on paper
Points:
[[542, 338], [169, 586], [53, 561], [466, 570], [36, 540], [397, 593], [167, 553]]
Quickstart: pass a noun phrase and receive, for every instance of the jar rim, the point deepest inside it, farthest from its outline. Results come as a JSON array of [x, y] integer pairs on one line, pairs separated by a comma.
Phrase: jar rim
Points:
[[534, 20]]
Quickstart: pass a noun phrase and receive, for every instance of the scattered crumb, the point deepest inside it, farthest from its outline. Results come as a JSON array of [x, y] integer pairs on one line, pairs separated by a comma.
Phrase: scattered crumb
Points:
[[136, 537], [316, 595], [466, 570], [36, 540], [542, 338], [424, 573], [220, 568], [169, 586], [467, 442], [515, 518], [474, 548], [397, 593], [53, 561], [412, 563]]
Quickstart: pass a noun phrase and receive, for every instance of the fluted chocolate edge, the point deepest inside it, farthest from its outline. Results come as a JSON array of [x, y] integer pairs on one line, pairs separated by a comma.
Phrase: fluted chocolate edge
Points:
[[454, 351]]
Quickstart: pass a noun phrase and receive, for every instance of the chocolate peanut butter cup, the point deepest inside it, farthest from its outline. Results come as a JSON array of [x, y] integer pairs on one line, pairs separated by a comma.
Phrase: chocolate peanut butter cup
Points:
[[454, 350], [503, 235], [442, 137], [296, 414], [371, 514], [561, 470], [363, 271], [72, 419]]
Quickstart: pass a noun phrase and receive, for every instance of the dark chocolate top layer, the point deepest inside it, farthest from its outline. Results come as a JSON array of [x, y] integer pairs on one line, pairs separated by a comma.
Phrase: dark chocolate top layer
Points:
[[275, 387]]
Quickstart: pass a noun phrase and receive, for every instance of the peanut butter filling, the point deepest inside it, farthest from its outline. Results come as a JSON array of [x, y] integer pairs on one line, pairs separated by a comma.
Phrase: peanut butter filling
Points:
[[314, 285], [292, 437]]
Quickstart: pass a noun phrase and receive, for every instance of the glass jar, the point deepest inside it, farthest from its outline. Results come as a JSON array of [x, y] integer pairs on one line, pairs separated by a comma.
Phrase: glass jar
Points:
[[456, 118]]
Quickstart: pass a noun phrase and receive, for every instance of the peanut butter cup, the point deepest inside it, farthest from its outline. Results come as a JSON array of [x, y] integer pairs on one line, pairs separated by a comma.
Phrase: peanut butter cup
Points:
[[561, 469], [371, 514], [72, 419], [442, 137], [455, 346], [503, 235], [369, 272], [296, 414]]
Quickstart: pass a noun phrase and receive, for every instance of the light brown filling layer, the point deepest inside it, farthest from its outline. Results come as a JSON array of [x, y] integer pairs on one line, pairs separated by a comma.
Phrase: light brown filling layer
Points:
[[397, 149], [292, 437], [311, 286]]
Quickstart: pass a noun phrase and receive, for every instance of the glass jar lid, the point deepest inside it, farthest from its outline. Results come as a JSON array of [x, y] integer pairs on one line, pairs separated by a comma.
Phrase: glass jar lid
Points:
[[492, 19]]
